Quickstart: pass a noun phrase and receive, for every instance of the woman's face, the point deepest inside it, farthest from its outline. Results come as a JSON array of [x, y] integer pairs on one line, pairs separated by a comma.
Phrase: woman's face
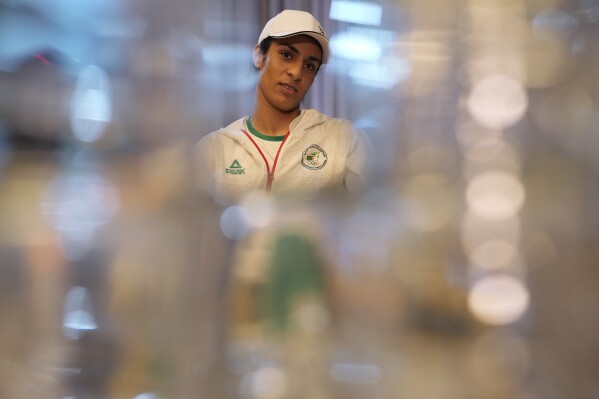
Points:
[[287, 71]]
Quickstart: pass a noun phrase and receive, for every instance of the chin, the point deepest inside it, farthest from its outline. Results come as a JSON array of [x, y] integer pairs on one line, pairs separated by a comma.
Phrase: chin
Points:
[[288, 108], [291, 110]]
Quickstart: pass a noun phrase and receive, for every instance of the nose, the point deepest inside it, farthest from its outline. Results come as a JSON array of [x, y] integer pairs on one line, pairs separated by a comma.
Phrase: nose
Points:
[[295, 70]]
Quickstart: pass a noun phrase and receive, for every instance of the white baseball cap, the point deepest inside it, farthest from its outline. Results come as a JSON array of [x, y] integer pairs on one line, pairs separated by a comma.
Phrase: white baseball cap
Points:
[[293, 22]]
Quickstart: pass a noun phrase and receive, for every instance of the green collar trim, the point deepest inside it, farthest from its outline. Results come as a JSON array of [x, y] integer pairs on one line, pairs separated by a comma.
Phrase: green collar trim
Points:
[[260, 135]]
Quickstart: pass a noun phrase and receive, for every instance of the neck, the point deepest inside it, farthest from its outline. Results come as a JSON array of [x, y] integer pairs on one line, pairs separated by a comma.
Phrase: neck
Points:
[[272, 122]]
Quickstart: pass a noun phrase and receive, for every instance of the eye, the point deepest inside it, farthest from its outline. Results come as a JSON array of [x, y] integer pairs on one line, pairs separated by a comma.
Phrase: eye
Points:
[[310, 66], [286, 54]]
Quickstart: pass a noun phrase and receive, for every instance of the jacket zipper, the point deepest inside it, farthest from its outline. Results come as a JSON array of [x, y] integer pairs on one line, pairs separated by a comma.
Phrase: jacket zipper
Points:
[[270, 174]]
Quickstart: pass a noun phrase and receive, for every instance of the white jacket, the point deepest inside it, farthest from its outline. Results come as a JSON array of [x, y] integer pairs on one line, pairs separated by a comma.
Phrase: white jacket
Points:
[[319, 153]]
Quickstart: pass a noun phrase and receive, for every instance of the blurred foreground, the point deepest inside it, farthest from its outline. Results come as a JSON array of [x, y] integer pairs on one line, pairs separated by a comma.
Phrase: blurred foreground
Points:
[[467, 270]]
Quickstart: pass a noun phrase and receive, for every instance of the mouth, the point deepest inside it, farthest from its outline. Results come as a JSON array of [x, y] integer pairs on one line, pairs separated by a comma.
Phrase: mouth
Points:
[[288, 88]]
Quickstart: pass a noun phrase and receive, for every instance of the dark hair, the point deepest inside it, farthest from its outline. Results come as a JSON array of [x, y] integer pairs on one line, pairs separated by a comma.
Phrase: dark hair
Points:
[[265, 44]]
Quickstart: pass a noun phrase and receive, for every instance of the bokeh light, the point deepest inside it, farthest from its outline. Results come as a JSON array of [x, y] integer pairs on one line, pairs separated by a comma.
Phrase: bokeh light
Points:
[[233, 223], [258, 208], [358, 12], [498, 299], [91, 104], [147, 395], [382, 74], [268, 382], [78, 314], [357, 46], [497, 102], [78, 205], [495, 195]]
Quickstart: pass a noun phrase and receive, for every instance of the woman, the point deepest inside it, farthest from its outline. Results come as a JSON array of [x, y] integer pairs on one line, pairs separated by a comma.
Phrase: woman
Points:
[[280, 147]]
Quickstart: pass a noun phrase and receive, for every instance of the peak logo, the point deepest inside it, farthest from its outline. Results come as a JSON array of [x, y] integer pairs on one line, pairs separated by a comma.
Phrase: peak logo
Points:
[[235, 168]]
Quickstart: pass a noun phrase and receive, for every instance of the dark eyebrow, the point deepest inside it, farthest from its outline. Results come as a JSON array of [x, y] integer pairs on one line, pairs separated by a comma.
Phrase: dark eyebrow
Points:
[[296, 51]]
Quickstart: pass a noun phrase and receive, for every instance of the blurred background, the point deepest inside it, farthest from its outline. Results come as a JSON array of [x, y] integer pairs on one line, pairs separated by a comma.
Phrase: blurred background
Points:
[[468, 269]]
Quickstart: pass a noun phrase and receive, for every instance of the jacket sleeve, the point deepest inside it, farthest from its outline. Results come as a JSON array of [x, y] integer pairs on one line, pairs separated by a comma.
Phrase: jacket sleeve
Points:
[[203, 161], [359, 162]]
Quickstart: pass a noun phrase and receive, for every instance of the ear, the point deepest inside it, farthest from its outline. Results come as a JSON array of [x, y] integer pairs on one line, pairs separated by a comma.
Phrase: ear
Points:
[[257, 57]]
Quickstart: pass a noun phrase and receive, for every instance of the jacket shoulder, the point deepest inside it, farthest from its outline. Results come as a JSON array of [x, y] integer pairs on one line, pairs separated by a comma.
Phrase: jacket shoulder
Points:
[[316, 118], [221, 133], [341, 128]]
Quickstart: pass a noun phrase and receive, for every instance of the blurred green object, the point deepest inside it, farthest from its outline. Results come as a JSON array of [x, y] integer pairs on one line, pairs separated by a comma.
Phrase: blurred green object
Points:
[[295, 271]]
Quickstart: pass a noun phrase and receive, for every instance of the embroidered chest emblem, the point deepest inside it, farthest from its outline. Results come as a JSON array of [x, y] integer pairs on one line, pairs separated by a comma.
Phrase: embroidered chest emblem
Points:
[[314, 157], [235, 169]]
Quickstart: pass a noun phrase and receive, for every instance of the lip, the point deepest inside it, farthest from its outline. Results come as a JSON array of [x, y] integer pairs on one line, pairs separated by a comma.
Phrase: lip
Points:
[[287, 88]]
